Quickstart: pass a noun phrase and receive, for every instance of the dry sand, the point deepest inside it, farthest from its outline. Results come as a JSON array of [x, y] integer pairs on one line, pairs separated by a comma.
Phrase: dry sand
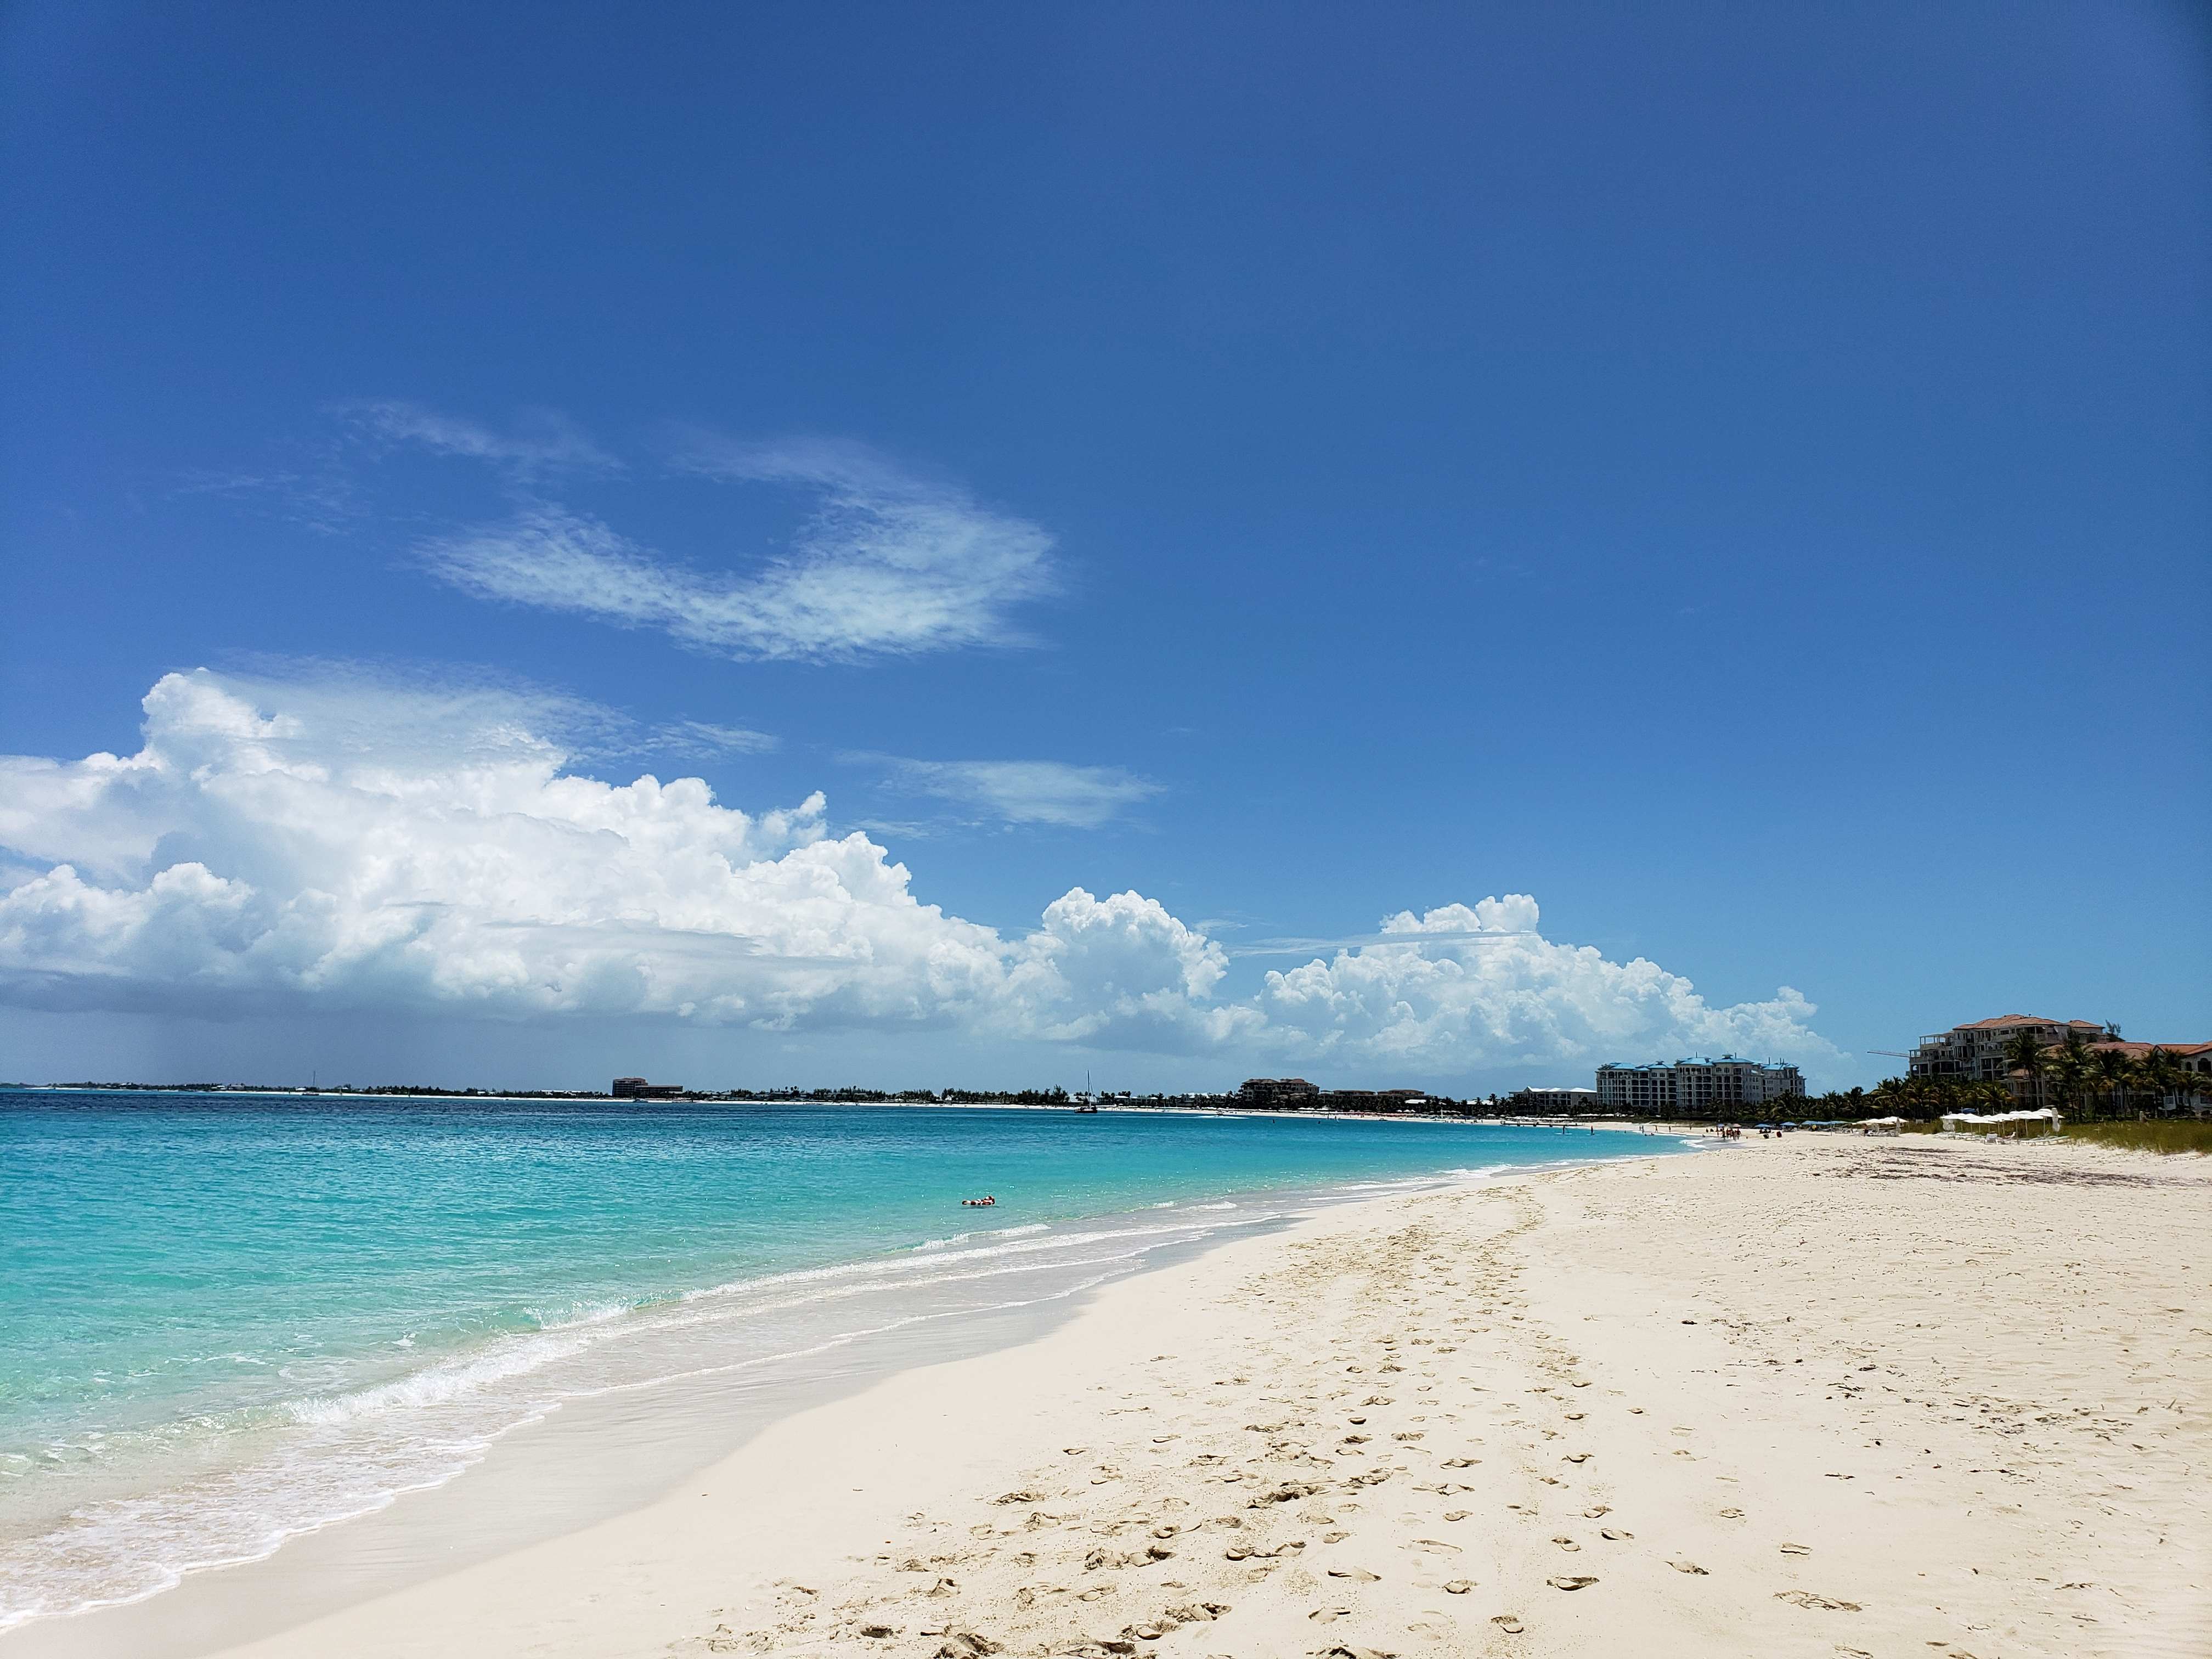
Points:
[[1817, 1397]]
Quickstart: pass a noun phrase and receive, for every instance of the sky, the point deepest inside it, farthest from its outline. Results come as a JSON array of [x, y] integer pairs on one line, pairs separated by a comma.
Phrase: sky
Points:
[[1140, 544]]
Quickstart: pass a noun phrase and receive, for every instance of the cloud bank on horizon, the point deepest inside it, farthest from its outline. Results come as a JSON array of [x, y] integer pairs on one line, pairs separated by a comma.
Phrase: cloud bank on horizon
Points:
[[325, 840]]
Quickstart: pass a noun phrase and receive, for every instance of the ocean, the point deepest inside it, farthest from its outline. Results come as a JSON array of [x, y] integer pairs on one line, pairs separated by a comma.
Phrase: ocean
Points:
[[228, 1320]]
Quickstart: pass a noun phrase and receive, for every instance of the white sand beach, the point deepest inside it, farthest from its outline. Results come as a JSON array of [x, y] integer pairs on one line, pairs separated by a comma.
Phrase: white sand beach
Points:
[[1819, 1397]]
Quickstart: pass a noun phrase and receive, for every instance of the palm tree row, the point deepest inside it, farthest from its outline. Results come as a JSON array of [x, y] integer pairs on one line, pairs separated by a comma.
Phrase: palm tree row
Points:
[[2092, 1082], [1932, 1097]]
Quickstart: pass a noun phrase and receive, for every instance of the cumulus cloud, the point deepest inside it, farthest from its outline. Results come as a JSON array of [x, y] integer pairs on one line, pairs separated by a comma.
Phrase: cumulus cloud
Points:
[[1027, 792], [1462, 987], [888, 562], [1122, 972], [330, 841], [414, 847]]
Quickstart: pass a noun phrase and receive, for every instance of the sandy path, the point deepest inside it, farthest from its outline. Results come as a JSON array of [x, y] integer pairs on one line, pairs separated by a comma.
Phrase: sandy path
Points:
[[1810, 1398]]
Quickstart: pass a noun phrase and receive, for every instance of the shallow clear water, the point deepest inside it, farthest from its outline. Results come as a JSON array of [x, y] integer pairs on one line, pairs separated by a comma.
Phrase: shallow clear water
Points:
[[228, 1320]]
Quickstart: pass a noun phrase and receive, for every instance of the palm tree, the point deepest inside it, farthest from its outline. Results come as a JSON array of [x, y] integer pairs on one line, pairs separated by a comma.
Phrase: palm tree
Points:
[[2070, 1065], [2023, 1055], [2162, 1075], [2115, 1069]]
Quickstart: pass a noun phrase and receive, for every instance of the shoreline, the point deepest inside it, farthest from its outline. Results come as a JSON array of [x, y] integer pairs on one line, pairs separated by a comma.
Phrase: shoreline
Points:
[[1761, 1400], [585, 1459], [1506, 1121]]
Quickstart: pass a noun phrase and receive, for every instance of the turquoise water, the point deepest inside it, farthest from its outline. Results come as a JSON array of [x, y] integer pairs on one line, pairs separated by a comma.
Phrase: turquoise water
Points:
[[228, 1320]]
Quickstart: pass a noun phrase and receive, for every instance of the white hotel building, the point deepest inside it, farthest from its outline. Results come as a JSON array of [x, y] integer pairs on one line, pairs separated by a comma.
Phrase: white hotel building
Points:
[[1697, 1087]]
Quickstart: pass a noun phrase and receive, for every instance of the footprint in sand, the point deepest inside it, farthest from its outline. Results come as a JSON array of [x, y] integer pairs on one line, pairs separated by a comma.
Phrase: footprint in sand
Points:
[[1580, 1581], [1615, 1534], [1691, 1567], [1567, 1544], [1806, 1598], [1459, 1587], [1508, 1623]]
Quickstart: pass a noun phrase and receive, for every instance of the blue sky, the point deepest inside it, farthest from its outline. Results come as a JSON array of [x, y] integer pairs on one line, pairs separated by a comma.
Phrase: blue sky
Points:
[[1737, 475]]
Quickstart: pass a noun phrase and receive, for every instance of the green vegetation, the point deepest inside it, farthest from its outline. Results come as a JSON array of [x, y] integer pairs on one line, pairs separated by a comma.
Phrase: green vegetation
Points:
[[2157, 1134], [2160, 1134], [2086, 1084]]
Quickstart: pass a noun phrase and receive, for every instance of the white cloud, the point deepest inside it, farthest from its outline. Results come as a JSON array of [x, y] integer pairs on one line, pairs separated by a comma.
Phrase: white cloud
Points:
[[888, 563], [1028, 791], [332, 842], [1465, 988], [328, 841], [1122, 972], [704, 740], [543, 440]]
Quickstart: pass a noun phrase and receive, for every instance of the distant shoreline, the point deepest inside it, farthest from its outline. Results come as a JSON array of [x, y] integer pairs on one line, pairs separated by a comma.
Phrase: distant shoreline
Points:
[[1506, 1120]]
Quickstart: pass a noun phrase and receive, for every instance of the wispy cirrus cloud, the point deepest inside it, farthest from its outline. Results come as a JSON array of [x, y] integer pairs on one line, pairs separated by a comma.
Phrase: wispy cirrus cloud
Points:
[[320, 481], [542, 440], [887, 561], [889, 564], [870, 576], [315, 495], [1023, 792], [704, 740]]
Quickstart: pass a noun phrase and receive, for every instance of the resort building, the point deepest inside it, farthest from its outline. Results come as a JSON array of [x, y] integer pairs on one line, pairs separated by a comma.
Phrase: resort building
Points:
[[1638, 1090], [2192, 1060], [1373, 1100], [1695, 1087], [1277, 1094], [2195, 1061], [1552, 1102], [636, 1088], [1295, 1094], [1976, 1052]]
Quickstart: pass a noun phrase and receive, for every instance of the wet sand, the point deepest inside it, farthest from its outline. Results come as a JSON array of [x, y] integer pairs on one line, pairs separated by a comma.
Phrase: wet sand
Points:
[[1814, 1397]]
